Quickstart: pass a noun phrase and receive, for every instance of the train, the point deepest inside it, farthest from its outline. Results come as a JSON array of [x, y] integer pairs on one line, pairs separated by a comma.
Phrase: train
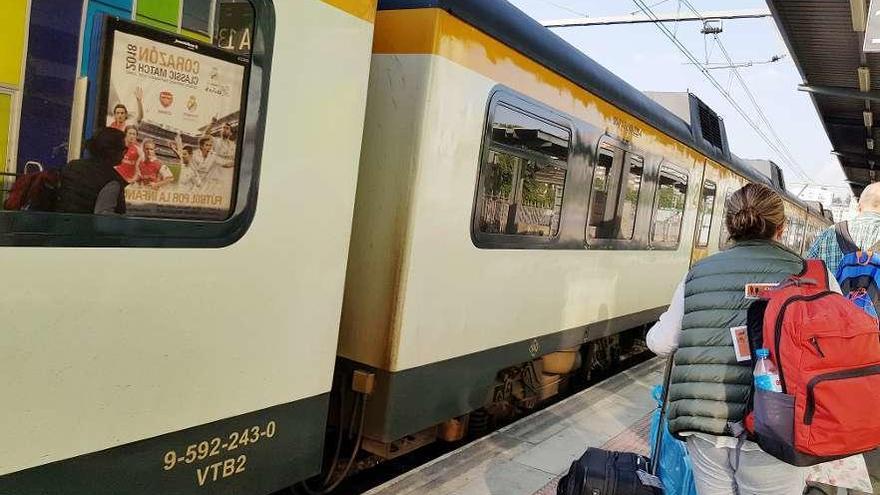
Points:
[[440, 213]]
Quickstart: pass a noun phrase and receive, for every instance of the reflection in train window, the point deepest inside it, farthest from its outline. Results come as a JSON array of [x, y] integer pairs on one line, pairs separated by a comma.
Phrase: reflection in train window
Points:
[[788, 235], [793, 237], [540, 205], [196, 16], [707, 209], [669, 203], [811, 235], [524, 176], [615, 195], [602, 210], [630, 201], [724, 238], [498, 192], [171, 132], [522, 132], [799, 235]]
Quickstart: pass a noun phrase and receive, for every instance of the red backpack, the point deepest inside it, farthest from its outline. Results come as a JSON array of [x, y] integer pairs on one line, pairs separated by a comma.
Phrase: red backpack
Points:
[[827, 353], [36, 191]]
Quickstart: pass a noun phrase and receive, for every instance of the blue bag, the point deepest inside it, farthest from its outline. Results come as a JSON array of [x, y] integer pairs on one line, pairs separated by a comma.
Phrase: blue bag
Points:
[[674, 468], [858, 272]]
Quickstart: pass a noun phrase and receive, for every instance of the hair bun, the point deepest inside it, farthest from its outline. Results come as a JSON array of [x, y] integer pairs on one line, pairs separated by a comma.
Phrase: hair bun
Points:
[[745, 221], [754, 212]]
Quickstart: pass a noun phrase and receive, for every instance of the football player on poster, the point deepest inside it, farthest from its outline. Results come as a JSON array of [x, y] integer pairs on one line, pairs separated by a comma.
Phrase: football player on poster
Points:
[[120, 120]]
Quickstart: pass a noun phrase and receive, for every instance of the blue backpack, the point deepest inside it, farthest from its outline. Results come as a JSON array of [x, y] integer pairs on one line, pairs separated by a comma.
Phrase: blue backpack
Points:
[[858, 271]]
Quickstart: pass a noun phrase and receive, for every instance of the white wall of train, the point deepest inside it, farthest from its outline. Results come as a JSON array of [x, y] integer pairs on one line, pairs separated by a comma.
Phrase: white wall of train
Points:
[[92, 359], [452, 298]]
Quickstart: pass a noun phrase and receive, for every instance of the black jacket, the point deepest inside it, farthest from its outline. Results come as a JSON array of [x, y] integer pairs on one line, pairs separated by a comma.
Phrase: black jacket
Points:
[[82, 181]]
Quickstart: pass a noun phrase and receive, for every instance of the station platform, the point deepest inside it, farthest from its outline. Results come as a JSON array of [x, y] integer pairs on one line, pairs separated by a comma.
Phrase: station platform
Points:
[[528, 457]]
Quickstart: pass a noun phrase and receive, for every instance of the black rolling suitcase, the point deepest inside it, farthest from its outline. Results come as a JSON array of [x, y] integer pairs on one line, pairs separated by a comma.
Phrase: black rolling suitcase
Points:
[[600, 472]]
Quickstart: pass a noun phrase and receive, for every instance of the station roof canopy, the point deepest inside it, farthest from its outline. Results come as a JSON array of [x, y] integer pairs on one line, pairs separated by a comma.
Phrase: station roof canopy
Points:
[[826, 38]]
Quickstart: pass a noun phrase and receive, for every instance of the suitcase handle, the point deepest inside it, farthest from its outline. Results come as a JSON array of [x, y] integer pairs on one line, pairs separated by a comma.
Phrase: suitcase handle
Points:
[[658, 442]]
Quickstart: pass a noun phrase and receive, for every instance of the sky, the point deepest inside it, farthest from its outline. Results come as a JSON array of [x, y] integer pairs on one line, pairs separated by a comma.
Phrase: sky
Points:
[[644, 57]]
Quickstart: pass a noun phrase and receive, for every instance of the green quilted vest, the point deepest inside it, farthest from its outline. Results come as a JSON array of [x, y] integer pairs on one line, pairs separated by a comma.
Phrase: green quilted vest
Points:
[[709, 388]]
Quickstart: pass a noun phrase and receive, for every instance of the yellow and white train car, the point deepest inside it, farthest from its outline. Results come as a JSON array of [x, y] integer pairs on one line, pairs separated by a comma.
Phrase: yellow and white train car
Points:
[[515, 200], [142, 354]]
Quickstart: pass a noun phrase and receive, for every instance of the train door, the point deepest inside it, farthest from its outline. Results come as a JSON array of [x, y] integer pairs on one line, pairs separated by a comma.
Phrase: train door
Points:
[[706, 225]]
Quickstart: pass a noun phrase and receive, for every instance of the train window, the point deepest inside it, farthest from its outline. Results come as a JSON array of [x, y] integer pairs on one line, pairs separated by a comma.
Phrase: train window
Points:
[[520, 131], [161, 147], [786, 235], [813, 231], [541, 188], [615, 194], [669, 203], [602, 210], [707, 209], [497, 193], [724, 238], [196, 16], [793, 237], [797, 240], [523, 178], [630, 197]]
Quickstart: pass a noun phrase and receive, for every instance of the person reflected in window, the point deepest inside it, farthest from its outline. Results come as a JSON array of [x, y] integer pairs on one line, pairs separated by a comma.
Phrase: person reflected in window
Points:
[[92, 185]]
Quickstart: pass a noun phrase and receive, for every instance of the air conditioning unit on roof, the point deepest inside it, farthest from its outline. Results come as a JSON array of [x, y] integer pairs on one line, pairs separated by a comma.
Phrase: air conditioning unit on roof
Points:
[[770, 170], [706, 126]]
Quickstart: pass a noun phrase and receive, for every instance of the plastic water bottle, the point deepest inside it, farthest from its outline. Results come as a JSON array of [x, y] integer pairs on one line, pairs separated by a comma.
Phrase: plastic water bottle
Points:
[[766, 376]]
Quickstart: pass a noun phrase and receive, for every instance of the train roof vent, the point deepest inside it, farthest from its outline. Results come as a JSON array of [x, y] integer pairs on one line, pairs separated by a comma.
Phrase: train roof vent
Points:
[[706, 126], [710, 126]]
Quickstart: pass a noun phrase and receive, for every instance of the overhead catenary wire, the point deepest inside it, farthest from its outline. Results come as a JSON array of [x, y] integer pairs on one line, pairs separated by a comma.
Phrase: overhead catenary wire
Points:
[[718, 86], [797, 168], [746, 88], [705, 71], [560, 6], [661, 2], [781, 148]]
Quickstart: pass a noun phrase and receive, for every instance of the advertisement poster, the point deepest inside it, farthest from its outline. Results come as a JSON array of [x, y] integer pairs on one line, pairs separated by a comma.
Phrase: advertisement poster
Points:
[[179, 103]]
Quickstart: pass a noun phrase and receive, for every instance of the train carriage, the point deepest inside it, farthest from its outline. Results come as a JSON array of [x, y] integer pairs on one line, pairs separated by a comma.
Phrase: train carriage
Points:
[[147, 355], [508, 209], [515, 200]]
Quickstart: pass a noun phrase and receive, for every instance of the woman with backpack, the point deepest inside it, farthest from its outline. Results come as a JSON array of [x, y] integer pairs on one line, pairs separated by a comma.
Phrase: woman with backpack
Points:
[[709, 390]]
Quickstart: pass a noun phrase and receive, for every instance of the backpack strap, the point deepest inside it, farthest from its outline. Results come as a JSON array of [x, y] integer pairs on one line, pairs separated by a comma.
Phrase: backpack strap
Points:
[[816, 270], [844, 240]]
